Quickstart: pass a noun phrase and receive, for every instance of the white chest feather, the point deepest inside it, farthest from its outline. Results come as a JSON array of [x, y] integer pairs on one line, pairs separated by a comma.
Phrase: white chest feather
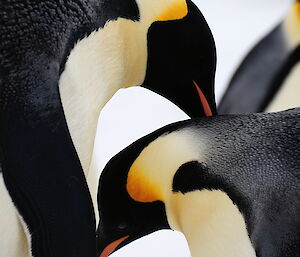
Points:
[[211, 223], [108, 59]]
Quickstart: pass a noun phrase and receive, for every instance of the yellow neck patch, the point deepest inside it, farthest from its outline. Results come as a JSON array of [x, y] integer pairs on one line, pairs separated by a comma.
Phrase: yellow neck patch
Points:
[[176, 11], [140, 188]]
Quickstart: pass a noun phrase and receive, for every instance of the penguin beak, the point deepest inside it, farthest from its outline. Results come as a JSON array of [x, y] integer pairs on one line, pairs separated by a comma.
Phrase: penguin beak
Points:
[[181, 63], [109, 249], [204, 103]]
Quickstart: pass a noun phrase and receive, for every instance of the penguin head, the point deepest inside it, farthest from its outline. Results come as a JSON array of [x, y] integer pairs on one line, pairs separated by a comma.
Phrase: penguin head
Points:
[[167, 48], [182, 59], [135, 189], [123, 219], [181, 55], [174, 54]]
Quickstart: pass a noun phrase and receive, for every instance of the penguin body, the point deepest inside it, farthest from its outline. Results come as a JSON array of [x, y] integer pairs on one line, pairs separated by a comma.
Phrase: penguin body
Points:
[[267, 79], [229, 183], [60, 62]]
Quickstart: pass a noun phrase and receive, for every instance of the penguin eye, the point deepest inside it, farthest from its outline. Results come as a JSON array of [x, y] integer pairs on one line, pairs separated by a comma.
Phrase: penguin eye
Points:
[[123, 226]]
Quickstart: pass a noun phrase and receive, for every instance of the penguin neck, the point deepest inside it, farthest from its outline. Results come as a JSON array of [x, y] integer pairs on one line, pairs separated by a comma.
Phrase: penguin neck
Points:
[[99, 65], [211, 223], [292, 25]]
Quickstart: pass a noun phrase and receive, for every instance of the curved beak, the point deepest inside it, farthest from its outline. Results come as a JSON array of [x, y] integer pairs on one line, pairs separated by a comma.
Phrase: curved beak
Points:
[[181, 63], [110, 248], [205, 105]]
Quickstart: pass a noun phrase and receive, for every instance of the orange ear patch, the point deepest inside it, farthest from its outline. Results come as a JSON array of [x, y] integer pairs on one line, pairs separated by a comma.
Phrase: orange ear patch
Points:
[[140, 188], [176, 11], [297, 10]]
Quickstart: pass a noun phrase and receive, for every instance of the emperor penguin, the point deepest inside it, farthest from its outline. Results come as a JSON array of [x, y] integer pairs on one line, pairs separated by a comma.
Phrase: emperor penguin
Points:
[[60, 62], [229, 183], [269, 77]]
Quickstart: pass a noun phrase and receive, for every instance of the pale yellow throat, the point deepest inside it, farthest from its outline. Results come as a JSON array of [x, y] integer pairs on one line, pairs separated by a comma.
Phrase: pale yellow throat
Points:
[[211, 223]]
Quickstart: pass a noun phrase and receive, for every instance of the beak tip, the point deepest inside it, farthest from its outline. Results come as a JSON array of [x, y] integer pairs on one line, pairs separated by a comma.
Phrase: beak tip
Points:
[[109, 249]]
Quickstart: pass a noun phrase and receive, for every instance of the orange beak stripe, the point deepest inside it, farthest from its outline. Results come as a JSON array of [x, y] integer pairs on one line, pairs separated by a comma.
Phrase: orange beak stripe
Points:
[[205, 105], [112, 246], [297, 9], [177, 11]]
